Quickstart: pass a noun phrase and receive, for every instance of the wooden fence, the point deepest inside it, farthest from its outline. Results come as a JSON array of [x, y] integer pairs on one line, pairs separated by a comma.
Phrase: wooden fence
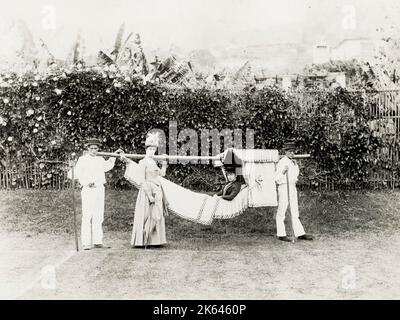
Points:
[[34, 176], [384, 109]]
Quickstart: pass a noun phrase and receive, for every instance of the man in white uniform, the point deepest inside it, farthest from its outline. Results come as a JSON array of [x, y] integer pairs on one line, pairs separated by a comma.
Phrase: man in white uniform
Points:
[[90, 171], [287, 172]]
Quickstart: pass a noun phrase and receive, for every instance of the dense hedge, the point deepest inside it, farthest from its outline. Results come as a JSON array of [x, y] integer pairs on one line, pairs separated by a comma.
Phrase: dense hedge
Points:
[[49, 117], [340, 139]]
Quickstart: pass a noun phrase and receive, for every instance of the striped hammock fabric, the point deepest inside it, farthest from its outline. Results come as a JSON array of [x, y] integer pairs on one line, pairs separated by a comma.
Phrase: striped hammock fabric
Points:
[[203, 208]]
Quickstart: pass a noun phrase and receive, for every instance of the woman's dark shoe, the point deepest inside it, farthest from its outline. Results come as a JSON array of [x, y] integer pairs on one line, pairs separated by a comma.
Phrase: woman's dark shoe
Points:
[[101, 246], [285, 238], [306, 237]]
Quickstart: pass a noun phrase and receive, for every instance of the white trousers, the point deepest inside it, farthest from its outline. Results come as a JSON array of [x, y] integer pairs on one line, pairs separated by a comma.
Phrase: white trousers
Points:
[[294, 210], [92, 215]]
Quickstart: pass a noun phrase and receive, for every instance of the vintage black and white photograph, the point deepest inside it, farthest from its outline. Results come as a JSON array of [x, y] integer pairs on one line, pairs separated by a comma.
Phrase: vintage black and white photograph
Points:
[[199, 150]]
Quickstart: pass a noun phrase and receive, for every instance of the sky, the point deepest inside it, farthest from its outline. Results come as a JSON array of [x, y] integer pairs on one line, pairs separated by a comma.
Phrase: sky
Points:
[[191, 24]]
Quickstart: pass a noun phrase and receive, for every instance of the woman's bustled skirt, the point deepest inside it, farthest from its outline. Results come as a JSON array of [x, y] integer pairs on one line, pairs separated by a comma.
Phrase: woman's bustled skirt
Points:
[[149, 222]]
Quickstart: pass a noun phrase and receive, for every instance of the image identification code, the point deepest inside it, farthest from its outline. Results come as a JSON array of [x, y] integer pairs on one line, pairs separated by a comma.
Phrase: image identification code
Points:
[[202, 309]]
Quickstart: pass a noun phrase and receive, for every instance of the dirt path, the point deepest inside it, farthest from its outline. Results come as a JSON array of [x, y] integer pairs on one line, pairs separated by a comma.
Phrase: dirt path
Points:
[[363, 266], [23, 258]]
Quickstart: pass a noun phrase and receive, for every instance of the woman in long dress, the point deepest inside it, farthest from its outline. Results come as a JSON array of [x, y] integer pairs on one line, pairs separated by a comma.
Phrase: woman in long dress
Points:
[[151, 205]]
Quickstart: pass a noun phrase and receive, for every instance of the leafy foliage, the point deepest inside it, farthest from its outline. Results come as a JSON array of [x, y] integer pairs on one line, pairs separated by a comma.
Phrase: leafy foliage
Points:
[[268, 113], [338, 136], [48, 117]]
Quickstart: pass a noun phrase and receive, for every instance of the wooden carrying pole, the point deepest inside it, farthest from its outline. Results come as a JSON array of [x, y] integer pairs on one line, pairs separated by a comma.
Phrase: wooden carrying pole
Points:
[[176, 157], [298, 156], [158, 157]]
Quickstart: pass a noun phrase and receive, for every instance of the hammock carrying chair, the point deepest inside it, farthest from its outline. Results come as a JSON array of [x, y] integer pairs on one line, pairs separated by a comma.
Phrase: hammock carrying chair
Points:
[[257, 166]]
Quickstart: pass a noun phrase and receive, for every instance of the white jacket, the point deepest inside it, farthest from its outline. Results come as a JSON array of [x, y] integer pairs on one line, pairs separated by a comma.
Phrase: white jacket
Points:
[[293, 171], [90, 169]]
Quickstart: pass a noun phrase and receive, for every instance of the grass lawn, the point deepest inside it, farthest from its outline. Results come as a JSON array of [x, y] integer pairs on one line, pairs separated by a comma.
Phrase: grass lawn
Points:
[[335, 213], [234, 259]]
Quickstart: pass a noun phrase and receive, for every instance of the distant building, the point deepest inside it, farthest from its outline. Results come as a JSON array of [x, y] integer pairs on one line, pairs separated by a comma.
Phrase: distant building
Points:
[[285, 81], [362, 49], [293, 81], [278, 58], [321, 53], [289, 58]]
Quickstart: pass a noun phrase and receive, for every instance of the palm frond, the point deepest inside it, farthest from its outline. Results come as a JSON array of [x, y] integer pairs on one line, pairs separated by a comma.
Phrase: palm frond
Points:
[[126, 40], [76, 50], [118, 41], [28, 44], [50, 56], [167, 64], [243, 70], [140, 57], [74, 54], [190, 66], [104, 59], [27, 53], [125, 53]]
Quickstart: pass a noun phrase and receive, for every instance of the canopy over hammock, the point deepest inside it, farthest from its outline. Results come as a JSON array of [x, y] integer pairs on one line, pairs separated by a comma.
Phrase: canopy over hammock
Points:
[[240, 156], [258, 169]]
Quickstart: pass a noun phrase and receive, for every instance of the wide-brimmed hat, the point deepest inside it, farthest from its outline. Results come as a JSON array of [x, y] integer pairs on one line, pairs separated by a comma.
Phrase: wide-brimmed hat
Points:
[[230, 169], [92, 141]]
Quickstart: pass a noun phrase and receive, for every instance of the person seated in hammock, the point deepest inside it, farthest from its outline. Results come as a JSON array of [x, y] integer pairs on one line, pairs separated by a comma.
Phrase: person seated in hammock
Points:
[[233, 187]]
